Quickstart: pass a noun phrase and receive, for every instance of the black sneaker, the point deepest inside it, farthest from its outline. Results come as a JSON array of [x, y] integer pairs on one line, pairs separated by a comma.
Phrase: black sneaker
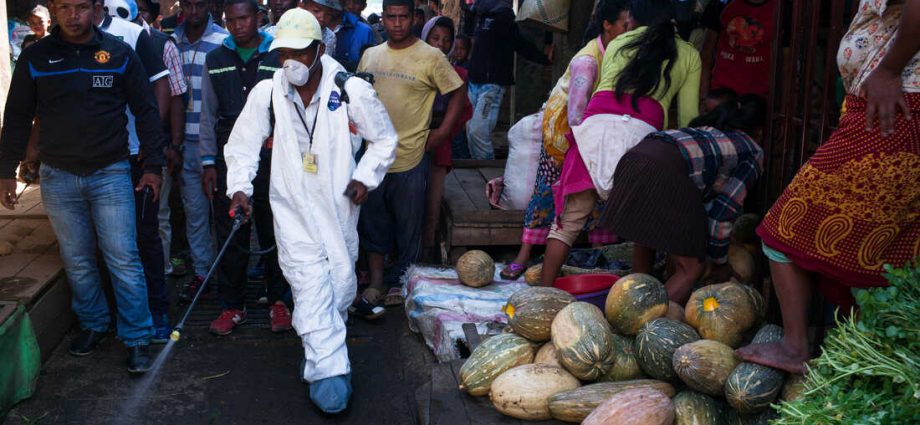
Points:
[[86, 342], [138, 359], [190, 289]]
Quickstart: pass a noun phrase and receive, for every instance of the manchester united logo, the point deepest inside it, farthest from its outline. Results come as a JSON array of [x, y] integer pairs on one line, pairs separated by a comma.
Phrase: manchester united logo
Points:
[[102, 56]]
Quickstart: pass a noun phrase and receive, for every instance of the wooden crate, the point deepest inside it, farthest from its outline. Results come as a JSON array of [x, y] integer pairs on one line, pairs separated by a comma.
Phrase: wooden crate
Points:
[[469, 219]]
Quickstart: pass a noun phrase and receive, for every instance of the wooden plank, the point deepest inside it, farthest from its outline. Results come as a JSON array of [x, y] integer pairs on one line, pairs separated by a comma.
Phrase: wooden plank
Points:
[[481, 217], [6, 310], [491, 173], [446, 400], [480, 409], [474, 185], [423, 400], [19, 228], [456, 199], [12, 264], [472, 335], [33, 279], [477, 163]]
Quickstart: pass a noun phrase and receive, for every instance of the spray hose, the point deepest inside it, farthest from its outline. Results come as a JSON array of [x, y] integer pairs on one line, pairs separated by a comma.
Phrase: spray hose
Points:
[[238, 216]]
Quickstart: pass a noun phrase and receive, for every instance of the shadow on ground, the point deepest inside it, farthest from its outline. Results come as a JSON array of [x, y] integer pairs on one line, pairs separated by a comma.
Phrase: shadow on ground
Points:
[[249, 377]]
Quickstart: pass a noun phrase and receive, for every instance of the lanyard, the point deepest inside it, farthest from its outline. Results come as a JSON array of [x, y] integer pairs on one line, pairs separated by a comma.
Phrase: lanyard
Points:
[[311, 130]]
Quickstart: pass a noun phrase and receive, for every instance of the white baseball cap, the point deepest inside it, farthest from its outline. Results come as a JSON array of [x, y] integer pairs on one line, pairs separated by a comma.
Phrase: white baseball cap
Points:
[[296, 29]]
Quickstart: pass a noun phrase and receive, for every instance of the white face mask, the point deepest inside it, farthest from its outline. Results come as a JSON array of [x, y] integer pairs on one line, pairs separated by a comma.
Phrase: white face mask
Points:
[[296, 72]]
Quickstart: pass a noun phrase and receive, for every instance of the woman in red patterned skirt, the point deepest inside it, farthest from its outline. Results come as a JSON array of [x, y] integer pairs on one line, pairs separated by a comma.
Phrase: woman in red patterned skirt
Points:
[[855, 205]]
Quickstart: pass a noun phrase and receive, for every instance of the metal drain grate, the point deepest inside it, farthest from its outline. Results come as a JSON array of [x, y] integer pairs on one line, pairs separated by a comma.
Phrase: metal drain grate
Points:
[[208, 308]]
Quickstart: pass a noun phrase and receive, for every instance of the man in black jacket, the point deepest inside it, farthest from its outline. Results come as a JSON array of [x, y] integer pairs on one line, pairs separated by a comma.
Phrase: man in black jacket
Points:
[[496, 39], [77, 82], [231, 71]]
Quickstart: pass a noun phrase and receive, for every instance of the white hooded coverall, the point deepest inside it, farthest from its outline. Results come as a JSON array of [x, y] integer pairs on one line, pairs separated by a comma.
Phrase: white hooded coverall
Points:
[[315, 223]]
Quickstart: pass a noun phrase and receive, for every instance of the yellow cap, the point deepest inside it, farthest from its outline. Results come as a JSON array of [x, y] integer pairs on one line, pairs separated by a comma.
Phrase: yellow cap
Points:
[[296, 29]]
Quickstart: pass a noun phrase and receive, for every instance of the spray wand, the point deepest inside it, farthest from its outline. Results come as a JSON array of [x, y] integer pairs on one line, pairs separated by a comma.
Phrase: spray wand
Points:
[[28, 175], [237, 216]]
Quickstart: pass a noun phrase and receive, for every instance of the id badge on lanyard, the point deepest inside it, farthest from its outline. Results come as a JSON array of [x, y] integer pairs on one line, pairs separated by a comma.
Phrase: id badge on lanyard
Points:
[[309, 158]]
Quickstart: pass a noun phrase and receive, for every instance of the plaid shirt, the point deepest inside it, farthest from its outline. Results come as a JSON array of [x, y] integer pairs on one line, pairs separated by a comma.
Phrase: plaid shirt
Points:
[[723, 166], [173, 62]]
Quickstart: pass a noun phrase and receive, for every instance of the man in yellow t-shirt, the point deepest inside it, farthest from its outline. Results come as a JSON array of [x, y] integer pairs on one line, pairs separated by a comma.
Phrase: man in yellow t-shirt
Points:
[[408, 74]]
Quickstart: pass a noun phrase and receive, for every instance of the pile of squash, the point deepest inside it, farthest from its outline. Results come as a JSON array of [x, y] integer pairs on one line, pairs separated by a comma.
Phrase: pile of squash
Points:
[[641, 361]]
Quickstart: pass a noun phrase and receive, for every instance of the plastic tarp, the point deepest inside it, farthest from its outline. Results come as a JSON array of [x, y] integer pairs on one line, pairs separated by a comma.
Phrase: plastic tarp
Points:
[[20, 359], [438, 305]]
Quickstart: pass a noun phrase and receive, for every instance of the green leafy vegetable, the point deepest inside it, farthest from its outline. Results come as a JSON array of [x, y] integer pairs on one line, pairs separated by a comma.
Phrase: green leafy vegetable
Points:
[[869, 370]]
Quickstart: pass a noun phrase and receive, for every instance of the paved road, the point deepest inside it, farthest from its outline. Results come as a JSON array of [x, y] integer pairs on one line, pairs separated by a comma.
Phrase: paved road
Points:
[[248, 377]]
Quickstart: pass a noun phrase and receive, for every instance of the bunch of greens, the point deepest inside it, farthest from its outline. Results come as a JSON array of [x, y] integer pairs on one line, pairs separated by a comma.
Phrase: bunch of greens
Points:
[[869, 371]]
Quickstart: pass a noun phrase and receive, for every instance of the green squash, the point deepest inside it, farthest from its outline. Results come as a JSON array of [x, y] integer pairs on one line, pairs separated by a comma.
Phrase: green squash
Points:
[[693, 408], [583, 340], [733, 417], [760, 305], [577, 404], [531, 311], [634, 300], [704, 365], [655, 345], [721, 312], [752, 387], [625, 365], [491, 358]]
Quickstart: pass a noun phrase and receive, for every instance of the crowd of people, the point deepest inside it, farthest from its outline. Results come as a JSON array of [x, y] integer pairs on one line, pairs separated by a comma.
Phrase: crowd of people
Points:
[[332, 135]]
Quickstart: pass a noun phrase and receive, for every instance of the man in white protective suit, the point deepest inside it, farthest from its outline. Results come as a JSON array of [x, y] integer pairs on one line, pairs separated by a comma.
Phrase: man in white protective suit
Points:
[[315, 188]]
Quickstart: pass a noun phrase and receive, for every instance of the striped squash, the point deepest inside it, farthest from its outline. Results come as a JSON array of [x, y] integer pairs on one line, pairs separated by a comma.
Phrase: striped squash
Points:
[[625, 366], [583, 340], [751, 387], [577, 404], [638, 406], [656, 343], [693, 408], [704, 365], [531, 311], [490, 359], [633, 300], [721, 312]]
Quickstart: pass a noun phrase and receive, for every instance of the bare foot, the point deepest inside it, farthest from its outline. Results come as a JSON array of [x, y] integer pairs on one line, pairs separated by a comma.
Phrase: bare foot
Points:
[[777, 355]]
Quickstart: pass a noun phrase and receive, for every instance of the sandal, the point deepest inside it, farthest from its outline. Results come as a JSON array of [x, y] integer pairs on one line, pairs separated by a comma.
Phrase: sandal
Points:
[[365, 309], [372, 295], [394, 297], [512, 272]]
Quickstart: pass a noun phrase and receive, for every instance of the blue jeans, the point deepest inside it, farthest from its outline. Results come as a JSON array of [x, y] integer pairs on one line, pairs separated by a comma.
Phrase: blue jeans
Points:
[[486, 100], [99, 208], [197, 211]]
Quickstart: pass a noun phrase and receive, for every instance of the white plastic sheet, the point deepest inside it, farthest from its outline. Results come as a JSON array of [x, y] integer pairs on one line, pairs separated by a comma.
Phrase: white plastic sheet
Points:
[[438, 305]]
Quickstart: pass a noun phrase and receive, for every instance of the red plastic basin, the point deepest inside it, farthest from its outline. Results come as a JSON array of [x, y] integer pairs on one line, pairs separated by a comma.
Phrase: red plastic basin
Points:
[[586, 283]]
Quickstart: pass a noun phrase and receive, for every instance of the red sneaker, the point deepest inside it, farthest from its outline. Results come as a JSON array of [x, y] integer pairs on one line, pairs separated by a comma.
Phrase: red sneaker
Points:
[[281, 317], [228, 320]]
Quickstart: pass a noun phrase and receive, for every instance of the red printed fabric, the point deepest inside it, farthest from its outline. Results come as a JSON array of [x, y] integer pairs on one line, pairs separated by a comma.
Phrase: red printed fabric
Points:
[[855, 205]]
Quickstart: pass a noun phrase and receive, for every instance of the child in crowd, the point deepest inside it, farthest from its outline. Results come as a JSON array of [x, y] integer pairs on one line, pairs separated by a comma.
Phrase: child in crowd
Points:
[[439, 32], [460, 55], [39, 21]]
